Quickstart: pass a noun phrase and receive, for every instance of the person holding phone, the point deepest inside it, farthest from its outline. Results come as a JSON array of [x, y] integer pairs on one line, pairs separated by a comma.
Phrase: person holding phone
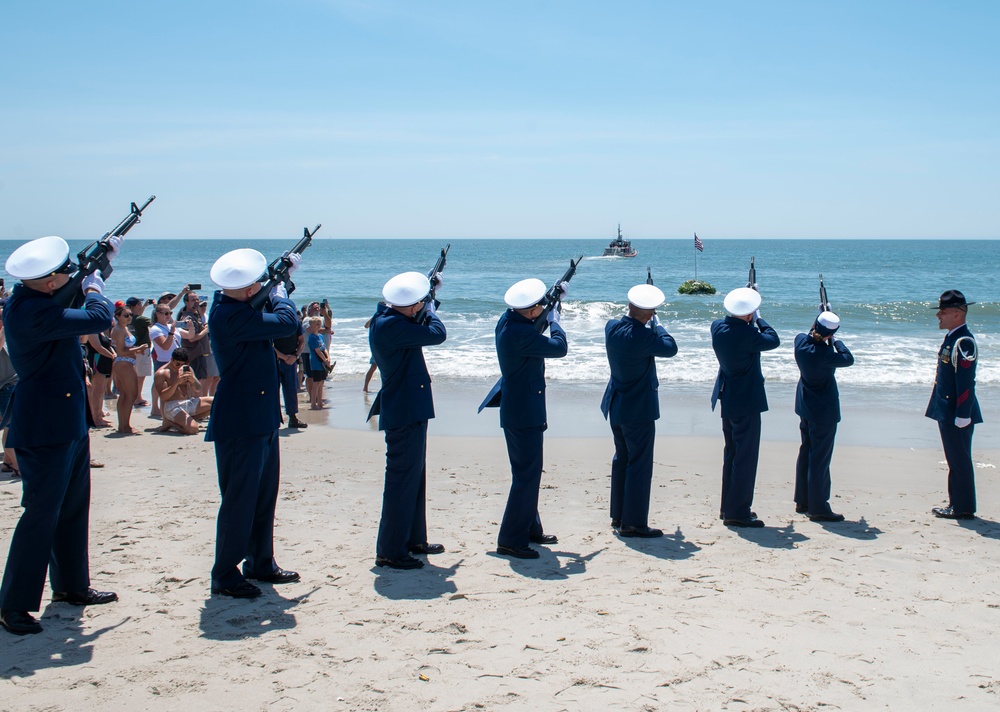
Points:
[[178, 389]]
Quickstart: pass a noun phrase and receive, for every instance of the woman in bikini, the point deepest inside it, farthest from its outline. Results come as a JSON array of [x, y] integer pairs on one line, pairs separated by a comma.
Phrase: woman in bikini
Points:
[[123, 370]]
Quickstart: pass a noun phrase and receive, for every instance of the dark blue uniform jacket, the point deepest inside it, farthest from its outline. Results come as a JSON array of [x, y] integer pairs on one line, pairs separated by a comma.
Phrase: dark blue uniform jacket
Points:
[[396, 342], [740, 383], [50, 403], [954, 394], [246, 399], [631, 395], [817, 398], [522, 352]]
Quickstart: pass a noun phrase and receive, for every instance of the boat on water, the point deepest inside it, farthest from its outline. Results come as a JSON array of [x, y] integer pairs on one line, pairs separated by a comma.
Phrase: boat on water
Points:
[[620, 247]]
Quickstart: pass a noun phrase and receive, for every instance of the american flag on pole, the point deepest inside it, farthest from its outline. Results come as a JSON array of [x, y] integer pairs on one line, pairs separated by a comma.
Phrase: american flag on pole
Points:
[[698, 244]]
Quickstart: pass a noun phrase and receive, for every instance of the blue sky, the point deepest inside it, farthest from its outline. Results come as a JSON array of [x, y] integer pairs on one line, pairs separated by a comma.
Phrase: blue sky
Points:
[[455, 119]]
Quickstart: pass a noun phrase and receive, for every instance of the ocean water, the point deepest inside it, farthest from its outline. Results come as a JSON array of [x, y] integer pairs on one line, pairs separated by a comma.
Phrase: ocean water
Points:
[[884, 291]]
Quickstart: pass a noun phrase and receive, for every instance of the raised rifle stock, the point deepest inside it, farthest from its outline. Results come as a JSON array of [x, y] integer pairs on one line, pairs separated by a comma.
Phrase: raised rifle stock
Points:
[[432, 295], [277, 271], [94, 258], [752, 279], [553, 300], [649, 275]]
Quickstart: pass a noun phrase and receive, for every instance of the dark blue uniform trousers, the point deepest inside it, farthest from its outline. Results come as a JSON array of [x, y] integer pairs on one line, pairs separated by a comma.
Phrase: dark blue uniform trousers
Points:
[[248, 479], [739, 465], [632, 473], [404, 509], [520, 518], [289, 378], [52, 532], [812, 468], [961, 475]]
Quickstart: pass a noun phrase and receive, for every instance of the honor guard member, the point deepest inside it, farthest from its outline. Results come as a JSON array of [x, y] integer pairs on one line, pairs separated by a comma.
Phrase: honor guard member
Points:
[[244, 421], [954, 405], [738, 341], [522, 350], [818, 355], [48, 432], [632, 406], [404, 405]]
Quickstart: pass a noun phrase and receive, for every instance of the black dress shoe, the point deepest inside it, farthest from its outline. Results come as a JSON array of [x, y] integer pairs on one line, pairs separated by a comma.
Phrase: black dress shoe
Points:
[[751, 523], [616, 523], [831, 517], [950, 513], [644, 532], [20, 622], [407, 563], [801, 509], [753, 515], [427, 549], [276, 576], [244, 589], [518, 552], [90, 597], [294, 422], [544, 539]]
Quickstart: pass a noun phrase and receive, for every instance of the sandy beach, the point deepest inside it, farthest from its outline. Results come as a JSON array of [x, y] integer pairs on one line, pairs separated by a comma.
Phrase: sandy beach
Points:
[[891, 609]]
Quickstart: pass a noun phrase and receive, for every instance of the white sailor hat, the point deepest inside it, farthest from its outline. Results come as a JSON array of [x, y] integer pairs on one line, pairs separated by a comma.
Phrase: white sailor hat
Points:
[[40, 258], [742, 301], [526, 293], [827, 323], [406, 289], [646, 296], [239, 268]]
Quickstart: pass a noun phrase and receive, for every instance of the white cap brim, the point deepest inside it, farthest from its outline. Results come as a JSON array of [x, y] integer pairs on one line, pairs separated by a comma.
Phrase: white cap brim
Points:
[[238, 269], [526, 293], [742, 301], [406, 289], [38, 258], [646, 296]]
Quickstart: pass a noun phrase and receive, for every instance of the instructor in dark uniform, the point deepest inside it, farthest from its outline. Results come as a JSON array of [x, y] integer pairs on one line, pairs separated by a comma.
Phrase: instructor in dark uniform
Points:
[[404, 405], [245, 420], [632, 406], [954, 406], [738, 341], [818, 355], [48, 432], [522, 350]]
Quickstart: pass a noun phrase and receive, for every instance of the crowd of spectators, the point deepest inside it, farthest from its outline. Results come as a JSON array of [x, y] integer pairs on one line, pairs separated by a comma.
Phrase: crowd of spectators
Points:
[[176, 352]]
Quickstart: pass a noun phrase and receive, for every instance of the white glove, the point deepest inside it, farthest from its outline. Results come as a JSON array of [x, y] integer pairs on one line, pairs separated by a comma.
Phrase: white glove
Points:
[[553, 317], [437, 281], [279, 290], [655, 320], [92, 282], [962, 422], [295, 260], [430, 308], [563, 287], [115, 242], [756, 315]]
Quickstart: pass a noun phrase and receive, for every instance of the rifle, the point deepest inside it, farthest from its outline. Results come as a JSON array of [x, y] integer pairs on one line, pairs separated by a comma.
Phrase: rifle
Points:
[[553, 297], [752, 279], [277, 271], [649, 276], [94, 257], [432, 295], [824, 303]]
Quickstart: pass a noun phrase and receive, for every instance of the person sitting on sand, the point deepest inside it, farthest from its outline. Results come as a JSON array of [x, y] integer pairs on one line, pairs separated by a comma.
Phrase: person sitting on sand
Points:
[[177, 387]]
